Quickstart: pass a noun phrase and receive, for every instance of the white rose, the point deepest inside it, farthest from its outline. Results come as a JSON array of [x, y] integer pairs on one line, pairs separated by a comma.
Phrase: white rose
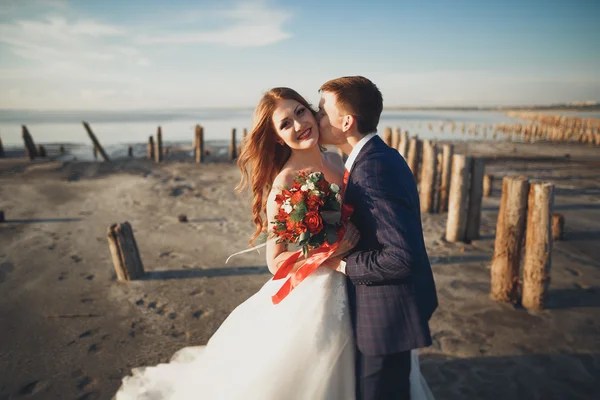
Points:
[[304, 188], [315, 175], [334, 188], [287, 208], [310, 185]]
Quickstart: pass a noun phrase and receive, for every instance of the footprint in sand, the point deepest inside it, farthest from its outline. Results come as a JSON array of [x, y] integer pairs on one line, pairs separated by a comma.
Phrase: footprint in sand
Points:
[[86, 334], [197, 314], [89, 277], [62, 276], [172, 315], [33, 388], [94, 348], [76, 258], [86, 300], [83, 382], [573, 272]]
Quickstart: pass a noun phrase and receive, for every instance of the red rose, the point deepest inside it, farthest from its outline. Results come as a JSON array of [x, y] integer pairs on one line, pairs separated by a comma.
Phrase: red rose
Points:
[[313, 203], [300, 229], [323, 186], [313, 222]]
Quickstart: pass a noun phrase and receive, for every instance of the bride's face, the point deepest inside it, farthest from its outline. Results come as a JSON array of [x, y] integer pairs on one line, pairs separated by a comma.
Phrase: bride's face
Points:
[[295, 125]]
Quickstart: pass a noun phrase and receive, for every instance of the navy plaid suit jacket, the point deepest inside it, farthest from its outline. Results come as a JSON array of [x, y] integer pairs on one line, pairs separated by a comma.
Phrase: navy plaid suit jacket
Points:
[[391, 288]]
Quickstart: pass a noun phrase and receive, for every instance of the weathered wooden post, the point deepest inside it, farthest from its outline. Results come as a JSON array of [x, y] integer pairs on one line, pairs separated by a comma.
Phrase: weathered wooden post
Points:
[[447, 153], [538, 246], [395, 138], [488, 181], [428, 170], [387, 136], [130, 151], [150, 148], [95, 141], [62, 150], [30, 148], [558, 227], [41, 151], [158, 146], [403, 145], [199, 145], [95, 151], [124, 251], [475, 195], [1, 148], [414, 154], [232, 146], [510, 230], [458, 199], [2, 216]]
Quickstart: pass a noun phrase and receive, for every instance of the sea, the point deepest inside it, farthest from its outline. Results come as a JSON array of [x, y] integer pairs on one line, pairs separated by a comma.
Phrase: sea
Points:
[[117, 130]]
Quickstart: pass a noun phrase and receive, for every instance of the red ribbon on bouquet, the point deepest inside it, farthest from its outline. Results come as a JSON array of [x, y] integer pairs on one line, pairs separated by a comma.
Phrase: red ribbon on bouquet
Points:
[[311, 263]]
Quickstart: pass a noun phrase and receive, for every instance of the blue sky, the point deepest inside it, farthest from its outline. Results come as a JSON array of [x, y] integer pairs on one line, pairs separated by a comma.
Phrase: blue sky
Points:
[[108, 54]]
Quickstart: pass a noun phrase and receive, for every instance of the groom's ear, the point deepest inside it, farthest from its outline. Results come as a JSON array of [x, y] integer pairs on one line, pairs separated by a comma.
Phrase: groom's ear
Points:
[[348, 122]]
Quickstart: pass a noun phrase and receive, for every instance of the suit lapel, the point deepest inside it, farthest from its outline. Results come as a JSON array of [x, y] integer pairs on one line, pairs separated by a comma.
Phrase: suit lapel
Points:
[[370, 146]]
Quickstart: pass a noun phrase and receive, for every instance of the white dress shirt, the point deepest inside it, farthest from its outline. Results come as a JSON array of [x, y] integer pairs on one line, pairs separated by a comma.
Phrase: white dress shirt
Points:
[[354, 153]]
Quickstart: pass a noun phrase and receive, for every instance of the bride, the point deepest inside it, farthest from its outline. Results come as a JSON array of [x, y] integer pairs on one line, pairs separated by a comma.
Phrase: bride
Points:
[[302, 347]]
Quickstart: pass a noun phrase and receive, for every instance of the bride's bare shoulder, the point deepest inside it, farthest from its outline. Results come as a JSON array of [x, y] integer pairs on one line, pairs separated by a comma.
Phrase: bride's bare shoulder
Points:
[[284, 179]]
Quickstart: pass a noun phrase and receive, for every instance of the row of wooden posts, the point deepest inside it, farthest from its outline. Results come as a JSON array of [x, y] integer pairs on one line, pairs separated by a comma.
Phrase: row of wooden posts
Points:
[[447, 182], [541, 128], [456, 183], [155, 149], [525, 218]]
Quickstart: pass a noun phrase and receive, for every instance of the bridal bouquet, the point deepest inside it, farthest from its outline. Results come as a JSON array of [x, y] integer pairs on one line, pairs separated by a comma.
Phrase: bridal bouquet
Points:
[[309, 213]]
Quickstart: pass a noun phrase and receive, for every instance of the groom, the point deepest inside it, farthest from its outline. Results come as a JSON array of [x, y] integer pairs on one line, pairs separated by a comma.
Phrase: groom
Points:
[[391, 290]]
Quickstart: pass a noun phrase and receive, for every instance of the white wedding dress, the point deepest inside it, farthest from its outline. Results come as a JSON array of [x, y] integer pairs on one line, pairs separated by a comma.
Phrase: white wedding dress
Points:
[[299, 349]]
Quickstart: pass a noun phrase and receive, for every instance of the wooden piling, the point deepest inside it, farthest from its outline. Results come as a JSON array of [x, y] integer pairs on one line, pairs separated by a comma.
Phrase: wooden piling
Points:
[[150, 148], [447, 153], [232, 146], [403, 144], [558, 227], [395, 138], [30, 148], [124, 251], [458, 198], [488, 181], [538, 246], [387, 136], [475, 195], [1, 148], [510, 229], [414, 151], [428, 170], [199, 144], [95, 141], [158, 146]]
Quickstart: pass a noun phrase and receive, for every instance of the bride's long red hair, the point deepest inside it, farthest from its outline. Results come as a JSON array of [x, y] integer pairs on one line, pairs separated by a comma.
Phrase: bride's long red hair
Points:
[[262, 157]]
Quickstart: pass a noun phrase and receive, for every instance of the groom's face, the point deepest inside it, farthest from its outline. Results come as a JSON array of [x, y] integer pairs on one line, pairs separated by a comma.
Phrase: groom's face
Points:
[[330, 119]]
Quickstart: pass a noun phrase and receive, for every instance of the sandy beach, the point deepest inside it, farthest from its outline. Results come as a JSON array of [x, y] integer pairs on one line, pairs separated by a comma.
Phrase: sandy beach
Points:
[[69, 330]]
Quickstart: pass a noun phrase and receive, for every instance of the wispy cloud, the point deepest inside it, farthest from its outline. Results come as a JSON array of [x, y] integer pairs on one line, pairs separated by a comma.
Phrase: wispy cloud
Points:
[[247, 24]]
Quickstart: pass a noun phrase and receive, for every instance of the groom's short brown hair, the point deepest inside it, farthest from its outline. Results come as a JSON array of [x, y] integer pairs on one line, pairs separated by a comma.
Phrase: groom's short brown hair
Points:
[[358, 96]]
